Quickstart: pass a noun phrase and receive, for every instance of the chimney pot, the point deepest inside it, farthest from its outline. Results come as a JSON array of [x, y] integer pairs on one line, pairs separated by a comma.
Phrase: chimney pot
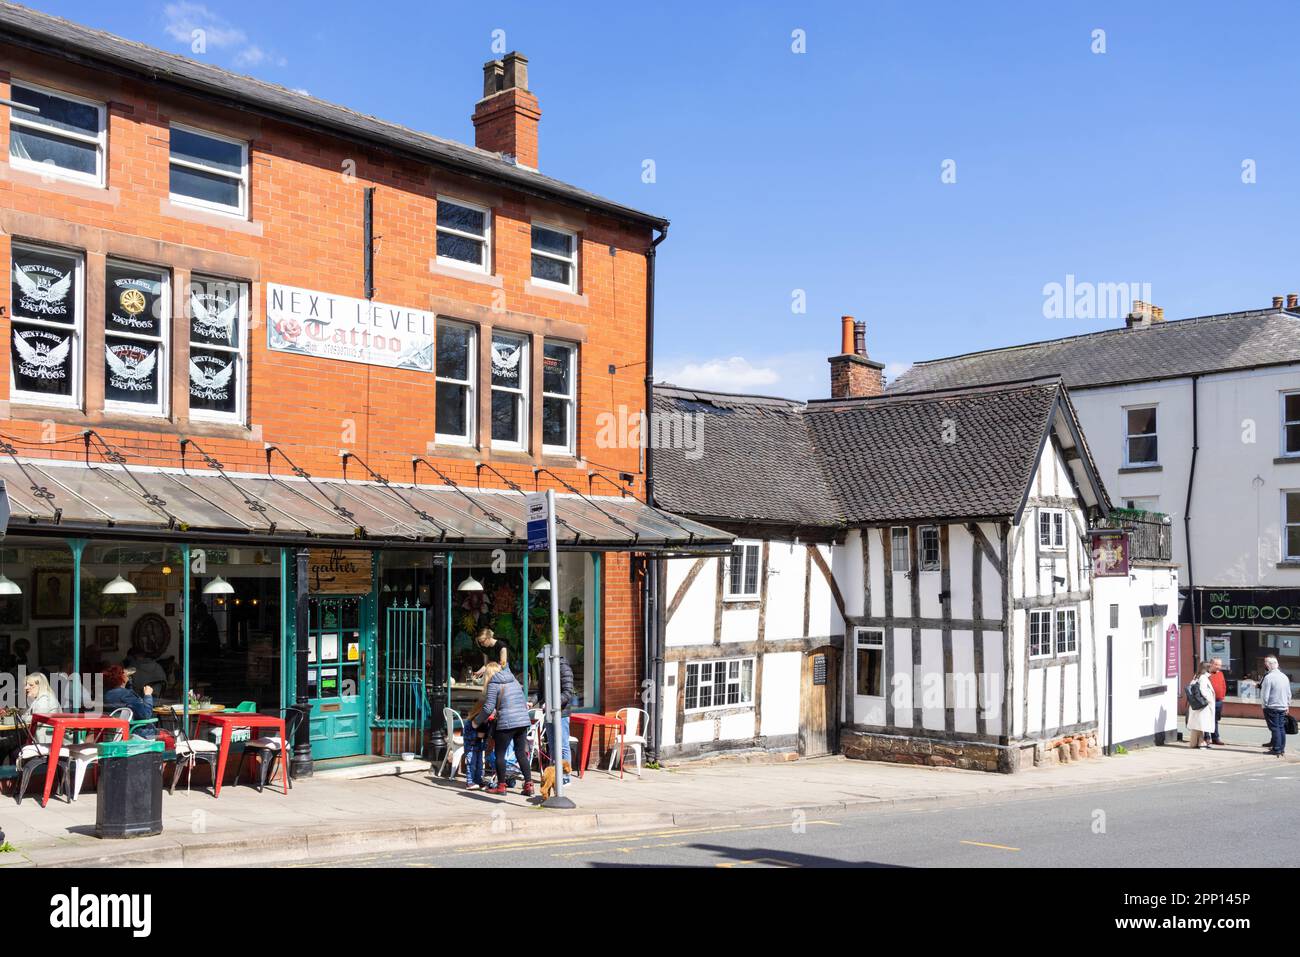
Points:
[[1293, 300], [1143, 313], [860, 338], [846, 335], [516, 67], [1277, 302], [494, 72]]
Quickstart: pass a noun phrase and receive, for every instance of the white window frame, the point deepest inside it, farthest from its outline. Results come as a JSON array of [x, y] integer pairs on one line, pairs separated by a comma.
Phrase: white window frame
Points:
[[471, 393], [1047, 637], [1071, 615], [486, 239], [921, 563], [1147, 654], [1288, 556], [242, 179], [78, 327], [1129, 436], [240, 415], [572, 260], [571, 400], [895, 551], [162, 341], [1054, 540], [1285, 452], [751, 555], [520, 442], [27, 120], [872, 639], [744, 694]]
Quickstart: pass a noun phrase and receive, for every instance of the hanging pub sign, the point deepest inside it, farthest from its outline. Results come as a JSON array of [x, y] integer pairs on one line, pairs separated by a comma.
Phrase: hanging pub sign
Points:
[[314, 323], [1249, 607], [339, 571], [1171, 651], [1110, 551]]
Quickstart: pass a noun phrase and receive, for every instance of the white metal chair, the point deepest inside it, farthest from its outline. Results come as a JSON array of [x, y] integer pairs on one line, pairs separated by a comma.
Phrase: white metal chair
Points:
[[455, 752], [82, 756], [631, 735], [188, 751]]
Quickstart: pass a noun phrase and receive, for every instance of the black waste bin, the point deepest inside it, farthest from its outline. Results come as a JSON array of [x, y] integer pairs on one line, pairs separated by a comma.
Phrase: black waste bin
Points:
[[130, 788]]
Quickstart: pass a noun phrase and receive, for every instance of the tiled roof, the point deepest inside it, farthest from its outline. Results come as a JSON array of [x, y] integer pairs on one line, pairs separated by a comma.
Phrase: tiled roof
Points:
[[1237, 340], [55, 35], [966, 454], [755, 461], [955, 455]]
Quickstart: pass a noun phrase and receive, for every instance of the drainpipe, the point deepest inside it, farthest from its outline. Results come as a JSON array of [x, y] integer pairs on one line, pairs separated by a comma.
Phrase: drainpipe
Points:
[[1187, 533], [650, 581]]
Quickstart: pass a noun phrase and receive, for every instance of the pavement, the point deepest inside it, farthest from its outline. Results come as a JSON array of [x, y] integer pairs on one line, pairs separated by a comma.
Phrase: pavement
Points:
[[332, 818]]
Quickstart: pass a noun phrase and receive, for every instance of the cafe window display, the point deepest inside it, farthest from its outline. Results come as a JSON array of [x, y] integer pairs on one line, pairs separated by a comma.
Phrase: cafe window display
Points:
[[235, 626], [494, 596], [1243, 651]]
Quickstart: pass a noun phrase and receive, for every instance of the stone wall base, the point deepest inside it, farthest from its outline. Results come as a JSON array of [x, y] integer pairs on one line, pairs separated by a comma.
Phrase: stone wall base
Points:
[[969, 755]]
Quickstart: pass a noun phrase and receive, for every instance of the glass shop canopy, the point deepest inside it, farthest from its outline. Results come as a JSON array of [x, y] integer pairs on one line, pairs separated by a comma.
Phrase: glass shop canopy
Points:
[[73, 498]]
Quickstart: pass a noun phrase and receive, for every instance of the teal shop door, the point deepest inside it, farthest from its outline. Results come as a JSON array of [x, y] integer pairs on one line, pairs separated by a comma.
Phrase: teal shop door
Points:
[[337, 639]]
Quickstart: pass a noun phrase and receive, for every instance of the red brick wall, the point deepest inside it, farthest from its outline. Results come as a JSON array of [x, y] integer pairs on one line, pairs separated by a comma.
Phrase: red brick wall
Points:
[[305, 229]]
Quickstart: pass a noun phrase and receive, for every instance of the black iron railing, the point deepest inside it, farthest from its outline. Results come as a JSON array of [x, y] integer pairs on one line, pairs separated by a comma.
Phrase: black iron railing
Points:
[[1150, 533]]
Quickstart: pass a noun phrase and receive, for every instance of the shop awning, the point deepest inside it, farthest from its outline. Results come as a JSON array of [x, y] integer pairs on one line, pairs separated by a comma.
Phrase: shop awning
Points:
[[104, 499]]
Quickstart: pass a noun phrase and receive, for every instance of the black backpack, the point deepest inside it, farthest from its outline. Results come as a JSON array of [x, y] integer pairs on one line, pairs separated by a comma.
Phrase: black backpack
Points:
[[1195, 698]]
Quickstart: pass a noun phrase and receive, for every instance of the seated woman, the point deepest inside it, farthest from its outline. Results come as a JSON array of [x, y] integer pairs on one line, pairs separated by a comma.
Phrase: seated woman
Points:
[[118, 695], [40, 700]]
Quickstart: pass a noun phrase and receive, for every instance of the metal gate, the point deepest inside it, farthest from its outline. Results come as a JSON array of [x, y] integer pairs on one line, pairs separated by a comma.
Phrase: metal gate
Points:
[[404, 715]]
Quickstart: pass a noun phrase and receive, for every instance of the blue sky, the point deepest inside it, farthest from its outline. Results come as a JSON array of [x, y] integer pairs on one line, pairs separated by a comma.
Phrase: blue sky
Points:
[[821, 171]]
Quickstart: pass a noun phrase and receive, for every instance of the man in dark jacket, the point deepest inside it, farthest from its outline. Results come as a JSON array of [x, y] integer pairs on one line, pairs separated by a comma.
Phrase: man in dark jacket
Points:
[[566, 702]]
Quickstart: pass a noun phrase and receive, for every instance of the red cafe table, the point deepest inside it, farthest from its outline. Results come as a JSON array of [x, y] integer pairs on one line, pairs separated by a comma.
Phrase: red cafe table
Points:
[[588, 723], [63, 722], [228, 721]]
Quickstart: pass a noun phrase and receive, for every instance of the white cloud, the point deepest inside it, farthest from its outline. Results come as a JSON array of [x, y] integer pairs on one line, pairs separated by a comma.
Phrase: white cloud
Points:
[[732, 374], [895, 369], [184, 22], [790, 375]]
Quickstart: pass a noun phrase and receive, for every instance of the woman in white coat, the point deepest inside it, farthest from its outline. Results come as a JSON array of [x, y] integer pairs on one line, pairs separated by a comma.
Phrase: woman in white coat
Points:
[[1200, 723]]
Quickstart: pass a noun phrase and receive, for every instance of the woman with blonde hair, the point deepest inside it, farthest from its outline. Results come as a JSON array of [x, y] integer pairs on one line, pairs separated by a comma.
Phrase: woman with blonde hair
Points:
[[40, 700], [1200, 721]]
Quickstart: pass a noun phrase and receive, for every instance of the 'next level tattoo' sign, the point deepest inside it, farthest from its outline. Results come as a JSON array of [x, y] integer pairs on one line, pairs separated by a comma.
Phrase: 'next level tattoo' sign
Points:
[[356, 330]]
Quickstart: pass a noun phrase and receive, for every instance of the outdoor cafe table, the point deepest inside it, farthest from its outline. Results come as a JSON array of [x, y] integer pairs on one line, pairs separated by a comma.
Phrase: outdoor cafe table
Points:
[[63, 722], [178, 710], [228, 721], [588, 723]]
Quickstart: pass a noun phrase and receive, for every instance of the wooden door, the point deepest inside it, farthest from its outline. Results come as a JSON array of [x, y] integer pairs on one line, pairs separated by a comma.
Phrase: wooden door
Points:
[[819, 710]]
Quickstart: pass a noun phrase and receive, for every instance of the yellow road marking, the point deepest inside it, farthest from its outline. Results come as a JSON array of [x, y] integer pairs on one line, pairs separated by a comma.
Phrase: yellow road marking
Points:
[[674, 832], [1000, 847], [760, 860]]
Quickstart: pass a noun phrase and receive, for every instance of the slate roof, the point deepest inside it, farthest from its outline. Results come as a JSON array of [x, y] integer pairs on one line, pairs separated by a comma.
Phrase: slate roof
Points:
[[861, 461], [60, 37], [1163, 350]]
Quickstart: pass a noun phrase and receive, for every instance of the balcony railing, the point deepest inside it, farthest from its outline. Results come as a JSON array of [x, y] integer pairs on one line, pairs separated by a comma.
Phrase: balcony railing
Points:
[[1150, 533]]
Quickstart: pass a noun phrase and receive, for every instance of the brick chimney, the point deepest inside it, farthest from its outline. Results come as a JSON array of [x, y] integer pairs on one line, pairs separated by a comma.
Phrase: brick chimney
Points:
[[1293, 300], [853, 375], [1144, 314], [505, 120]]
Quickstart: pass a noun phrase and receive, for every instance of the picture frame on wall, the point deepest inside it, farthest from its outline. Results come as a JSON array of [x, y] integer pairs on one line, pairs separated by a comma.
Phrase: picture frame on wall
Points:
[[54, 645], [107, 637], [52, 593], [13, 611]]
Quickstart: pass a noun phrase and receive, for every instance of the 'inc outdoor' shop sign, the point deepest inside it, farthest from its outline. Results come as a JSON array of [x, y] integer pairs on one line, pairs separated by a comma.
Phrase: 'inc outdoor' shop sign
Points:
[[315, 323]]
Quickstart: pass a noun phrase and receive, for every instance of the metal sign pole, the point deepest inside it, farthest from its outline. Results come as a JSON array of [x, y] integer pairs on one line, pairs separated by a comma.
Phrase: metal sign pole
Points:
[[554, 704]]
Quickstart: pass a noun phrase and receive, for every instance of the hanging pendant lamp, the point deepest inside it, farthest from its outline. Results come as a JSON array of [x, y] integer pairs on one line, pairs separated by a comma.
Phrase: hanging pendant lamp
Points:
[[470, 584], [541, 584], [218, 586]]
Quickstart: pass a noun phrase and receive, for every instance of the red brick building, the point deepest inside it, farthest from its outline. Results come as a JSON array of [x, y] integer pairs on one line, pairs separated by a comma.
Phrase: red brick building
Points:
[[252, 332]]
